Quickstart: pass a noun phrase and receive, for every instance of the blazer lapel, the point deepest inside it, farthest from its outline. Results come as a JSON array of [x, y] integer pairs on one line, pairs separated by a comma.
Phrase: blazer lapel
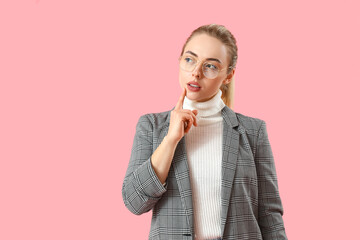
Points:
[[182, 174], [230, 148], [181, 170]]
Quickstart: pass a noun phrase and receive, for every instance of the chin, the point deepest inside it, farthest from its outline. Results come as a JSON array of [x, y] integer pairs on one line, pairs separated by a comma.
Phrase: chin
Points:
[[194, 98]]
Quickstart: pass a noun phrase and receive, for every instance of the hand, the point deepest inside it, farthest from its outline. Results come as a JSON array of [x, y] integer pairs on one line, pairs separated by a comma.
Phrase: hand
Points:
[[181, 120]]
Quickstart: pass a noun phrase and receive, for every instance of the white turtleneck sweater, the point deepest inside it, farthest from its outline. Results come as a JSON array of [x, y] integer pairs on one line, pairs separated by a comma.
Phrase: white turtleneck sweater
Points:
[[204, 153]]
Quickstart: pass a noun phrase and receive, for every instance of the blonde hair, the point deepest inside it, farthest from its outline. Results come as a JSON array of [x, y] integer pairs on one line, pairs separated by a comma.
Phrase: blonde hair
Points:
[[226, 37]]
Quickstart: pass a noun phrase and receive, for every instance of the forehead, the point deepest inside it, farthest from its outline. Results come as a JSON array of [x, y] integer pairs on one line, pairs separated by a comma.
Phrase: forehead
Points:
[[206, 46]]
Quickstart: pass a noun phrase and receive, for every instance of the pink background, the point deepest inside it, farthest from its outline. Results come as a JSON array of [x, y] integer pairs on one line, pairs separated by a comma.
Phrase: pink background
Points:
[[77, 75]]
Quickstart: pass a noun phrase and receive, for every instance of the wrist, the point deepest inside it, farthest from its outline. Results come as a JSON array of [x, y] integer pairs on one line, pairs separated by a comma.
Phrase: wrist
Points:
[[170, 141]]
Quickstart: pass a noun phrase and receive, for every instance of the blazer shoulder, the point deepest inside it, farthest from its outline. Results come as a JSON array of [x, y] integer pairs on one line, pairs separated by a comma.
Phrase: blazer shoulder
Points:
[[251, 125], [156, 118]]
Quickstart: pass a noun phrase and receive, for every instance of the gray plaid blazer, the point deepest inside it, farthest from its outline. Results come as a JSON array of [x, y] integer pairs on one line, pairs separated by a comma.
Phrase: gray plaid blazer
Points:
[[250, 200]]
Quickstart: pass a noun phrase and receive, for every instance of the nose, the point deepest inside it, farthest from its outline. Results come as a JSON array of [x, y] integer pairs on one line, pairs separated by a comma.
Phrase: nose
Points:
[[197, 71]]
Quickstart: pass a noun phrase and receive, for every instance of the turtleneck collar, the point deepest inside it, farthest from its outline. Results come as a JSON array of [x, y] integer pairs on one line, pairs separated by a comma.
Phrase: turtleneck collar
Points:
[[207, 108]]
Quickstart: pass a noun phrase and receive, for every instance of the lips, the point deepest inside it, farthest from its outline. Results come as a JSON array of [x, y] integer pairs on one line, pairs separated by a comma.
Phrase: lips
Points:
[[193, 84]]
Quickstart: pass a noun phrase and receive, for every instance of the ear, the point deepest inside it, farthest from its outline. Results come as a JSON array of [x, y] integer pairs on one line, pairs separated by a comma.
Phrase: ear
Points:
[[228, 78]]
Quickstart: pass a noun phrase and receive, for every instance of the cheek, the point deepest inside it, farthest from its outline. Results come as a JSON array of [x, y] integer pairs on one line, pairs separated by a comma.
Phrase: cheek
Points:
[[215, 84], [218, 82]]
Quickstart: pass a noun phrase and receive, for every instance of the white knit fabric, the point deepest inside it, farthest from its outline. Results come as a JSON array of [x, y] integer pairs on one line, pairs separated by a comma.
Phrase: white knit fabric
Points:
[[204, 153]]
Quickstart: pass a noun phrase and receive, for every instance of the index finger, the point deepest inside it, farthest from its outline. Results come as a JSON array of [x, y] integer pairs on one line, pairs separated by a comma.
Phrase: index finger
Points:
[[181, 99]]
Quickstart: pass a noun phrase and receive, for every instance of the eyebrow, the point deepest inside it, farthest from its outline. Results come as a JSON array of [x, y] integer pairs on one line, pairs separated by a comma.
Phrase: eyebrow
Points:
[[210, 59]]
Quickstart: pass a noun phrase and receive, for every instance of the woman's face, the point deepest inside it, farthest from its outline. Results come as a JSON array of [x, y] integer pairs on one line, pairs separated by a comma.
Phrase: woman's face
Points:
[[201, 47]]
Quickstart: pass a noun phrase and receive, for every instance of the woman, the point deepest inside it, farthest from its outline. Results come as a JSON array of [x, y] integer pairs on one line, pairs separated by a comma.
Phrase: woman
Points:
[[205, 171]]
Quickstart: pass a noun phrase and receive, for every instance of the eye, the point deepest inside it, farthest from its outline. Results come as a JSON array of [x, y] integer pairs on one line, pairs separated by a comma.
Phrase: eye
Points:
[[187, 59], [211, 66]]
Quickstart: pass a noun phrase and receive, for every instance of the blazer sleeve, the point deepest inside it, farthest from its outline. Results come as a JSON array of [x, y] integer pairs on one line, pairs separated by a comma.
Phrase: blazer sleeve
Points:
[[141, 187], [270, 206]]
